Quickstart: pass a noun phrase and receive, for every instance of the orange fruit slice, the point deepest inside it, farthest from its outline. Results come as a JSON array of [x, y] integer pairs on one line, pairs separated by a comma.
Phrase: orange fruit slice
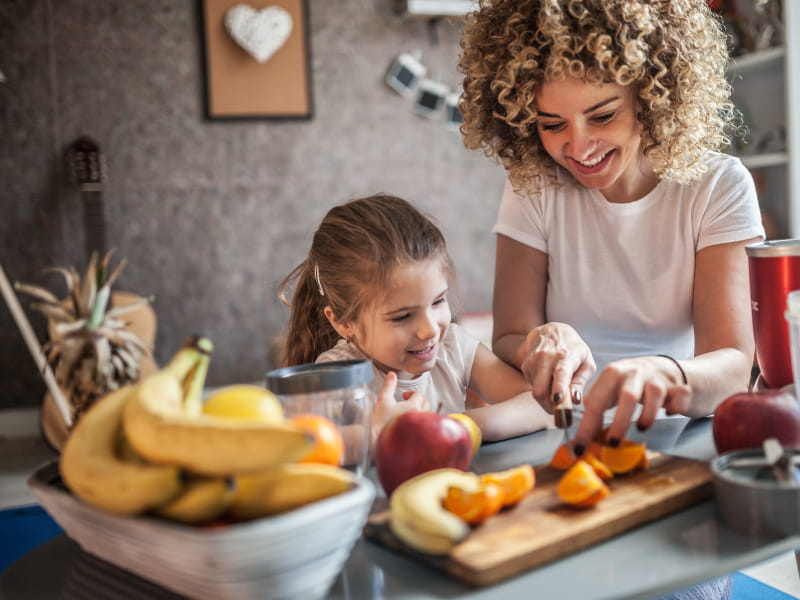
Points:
[[516, 482], [601, 468], [594, 449], [626, 457], [581, 485], [594, 498], [563, 458], [474, 507], [328, 443]]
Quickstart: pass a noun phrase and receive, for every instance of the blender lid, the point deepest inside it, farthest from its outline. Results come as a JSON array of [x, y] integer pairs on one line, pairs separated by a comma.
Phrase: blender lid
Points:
[[318, 377], [787, 247]]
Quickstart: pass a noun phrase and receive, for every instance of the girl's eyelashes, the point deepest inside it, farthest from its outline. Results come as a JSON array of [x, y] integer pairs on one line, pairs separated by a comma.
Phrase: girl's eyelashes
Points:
[[440, 301], [398, 318]]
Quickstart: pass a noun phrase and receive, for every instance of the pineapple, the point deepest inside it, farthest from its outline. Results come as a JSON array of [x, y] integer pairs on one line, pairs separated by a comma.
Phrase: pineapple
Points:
[[90, 348]]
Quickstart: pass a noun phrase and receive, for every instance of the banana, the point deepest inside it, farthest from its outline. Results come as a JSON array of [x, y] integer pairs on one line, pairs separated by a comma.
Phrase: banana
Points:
[[417, 516], [94, 470], [286, 487], [164, 424], [202, 499]]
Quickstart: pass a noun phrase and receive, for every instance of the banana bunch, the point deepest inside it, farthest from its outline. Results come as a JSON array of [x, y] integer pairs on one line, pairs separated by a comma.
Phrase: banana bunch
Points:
[[416, 514], [148, 447]]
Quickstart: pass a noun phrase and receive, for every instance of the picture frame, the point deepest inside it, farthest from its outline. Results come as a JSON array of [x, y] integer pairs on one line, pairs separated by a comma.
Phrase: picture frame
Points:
[[256, 59]]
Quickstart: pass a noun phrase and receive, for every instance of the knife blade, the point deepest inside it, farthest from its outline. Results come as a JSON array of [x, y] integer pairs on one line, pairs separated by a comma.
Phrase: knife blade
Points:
[[562, 414]]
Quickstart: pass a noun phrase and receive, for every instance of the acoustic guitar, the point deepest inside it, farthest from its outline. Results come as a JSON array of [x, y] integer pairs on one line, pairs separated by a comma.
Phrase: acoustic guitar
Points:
[[85, 165]]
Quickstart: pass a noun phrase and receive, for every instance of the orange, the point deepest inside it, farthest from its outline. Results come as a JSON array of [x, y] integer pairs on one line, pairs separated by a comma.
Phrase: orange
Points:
[[594, 498], [516, 482], [599, 467], [563, 458], [581, 486], [474, 507], [328, 443], [626, 457]]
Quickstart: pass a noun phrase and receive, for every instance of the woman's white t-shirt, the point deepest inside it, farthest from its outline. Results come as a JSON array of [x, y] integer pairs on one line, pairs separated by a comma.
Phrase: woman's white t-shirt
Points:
[[445, 383], [623, 274]]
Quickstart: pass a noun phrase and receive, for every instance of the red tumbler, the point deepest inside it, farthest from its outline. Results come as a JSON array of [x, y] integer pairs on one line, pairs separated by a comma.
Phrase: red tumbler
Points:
[[774, 272]]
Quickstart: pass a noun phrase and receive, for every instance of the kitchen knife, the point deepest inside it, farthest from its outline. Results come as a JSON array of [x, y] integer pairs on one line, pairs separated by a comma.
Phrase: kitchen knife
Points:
[[562, 414]]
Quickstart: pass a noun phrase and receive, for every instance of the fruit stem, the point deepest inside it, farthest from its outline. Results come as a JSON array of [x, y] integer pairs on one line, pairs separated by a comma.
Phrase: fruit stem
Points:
[[189, 355], [193, 384]]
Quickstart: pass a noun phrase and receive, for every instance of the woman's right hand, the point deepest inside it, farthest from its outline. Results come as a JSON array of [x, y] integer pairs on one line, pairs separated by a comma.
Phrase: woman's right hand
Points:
[[557, 363]]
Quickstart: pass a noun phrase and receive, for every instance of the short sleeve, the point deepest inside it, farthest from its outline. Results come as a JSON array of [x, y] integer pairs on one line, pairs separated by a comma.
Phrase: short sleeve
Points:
[[732, 213], [521, 218], [460, 352]]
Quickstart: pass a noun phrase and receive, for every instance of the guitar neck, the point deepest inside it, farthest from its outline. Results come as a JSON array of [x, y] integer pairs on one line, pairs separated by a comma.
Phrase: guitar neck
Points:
[[85, 165], [94, 220]]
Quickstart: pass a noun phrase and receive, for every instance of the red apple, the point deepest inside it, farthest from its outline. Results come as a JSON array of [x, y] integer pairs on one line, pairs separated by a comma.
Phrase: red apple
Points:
[[415, 441], [746, 419]]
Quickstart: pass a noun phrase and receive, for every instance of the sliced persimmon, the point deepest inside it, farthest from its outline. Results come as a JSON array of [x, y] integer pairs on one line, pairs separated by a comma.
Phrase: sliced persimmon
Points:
[[581, 485], [563, 458], [474, 507], [516, 482], [626, 457]]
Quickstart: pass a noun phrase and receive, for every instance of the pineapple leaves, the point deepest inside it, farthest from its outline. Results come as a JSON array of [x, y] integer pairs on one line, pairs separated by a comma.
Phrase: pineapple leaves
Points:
[[39, 293], [98, 308], [90, 348], [87, 299]]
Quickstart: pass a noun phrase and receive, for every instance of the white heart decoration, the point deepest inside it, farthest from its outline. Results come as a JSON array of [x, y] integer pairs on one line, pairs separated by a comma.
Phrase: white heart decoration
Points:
[[260, 32]]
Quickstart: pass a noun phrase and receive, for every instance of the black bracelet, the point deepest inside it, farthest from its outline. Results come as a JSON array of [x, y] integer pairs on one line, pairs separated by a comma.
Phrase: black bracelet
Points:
[[677, 364]]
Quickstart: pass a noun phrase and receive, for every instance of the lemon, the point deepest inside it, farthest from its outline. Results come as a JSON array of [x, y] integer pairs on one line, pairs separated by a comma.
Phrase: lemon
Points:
[[472, 427], [244, 401]]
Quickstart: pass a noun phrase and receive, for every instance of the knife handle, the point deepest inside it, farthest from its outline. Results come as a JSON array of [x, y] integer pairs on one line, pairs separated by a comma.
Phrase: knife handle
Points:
[[562, 413]]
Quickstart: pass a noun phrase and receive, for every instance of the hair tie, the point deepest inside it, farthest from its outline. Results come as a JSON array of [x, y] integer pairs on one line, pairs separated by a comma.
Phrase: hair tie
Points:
[[677, 364], [316, 278]]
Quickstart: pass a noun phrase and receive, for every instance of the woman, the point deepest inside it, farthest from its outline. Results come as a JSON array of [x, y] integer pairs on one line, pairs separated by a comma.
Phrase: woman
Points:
[[621, 273]]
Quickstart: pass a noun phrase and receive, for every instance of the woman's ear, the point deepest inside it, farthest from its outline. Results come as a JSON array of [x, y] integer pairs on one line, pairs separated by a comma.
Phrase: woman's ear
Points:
[[345, 330]]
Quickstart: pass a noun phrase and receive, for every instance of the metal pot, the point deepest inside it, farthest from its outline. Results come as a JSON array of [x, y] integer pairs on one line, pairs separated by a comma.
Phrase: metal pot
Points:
[[751, 499]]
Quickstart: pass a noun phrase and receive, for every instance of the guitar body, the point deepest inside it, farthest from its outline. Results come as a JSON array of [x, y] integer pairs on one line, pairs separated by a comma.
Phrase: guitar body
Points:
[[85, 165]]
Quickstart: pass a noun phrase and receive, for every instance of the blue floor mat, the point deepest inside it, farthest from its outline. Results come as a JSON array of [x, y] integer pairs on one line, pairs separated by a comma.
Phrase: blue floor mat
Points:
[[22, 528], [747, 588]]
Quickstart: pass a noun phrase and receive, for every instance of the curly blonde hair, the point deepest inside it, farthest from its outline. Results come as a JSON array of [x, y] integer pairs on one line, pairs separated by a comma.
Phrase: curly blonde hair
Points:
[[673, 51]]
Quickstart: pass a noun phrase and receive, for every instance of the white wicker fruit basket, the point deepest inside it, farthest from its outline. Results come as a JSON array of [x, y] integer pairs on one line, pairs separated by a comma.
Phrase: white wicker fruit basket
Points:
[[296, 555]]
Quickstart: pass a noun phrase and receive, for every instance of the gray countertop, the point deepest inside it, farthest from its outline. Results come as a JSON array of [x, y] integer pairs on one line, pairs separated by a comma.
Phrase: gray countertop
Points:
[[670, 554]]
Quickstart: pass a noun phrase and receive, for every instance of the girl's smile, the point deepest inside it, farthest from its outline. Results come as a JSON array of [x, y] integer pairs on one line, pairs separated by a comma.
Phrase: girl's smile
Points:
[[401, 331]]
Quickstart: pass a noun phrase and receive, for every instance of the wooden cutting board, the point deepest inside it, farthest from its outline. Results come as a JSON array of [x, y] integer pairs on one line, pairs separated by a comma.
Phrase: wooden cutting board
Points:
[[541, 529]]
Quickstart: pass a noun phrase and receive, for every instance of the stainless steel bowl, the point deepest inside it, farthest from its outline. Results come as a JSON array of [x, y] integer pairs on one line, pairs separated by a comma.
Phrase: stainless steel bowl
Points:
[[752, 497]]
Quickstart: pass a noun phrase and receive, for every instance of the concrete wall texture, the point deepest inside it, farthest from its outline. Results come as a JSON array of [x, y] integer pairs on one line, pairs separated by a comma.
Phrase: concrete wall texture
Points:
[[210, 215]]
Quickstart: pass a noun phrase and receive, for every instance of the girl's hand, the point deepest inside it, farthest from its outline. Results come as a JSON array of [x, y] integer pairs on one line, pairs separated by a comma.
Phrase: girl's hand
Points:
[[652, 381], [557, 362], [387, 407]]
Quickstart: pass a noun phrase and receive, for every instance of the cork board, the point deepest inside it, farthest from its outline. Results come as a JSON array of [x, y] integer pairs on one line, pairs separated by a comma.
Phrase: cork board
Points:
[[240, 83]]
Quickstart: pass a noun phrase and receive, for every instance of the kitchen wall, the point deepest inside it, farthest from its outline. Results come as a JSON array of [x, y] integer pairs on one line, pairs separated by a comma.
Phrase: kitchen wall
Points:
[[210, 215]]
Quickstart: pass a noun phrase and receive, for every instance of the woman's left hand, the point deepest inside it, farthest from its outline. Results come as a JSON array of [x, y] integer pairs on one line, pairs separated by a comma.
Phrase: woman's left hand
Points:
[[655, 382]]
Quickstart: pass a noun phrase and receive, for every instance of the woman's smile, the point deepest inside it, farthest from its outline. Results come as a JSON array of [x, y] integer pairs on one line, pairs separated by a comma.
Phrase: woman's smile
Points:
[[593, 165]]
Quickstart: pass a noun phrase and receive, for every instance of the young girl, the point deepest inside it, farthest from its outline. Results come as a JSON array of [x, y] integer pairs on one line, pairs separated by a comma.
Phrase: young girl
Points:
[[375, 285]]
